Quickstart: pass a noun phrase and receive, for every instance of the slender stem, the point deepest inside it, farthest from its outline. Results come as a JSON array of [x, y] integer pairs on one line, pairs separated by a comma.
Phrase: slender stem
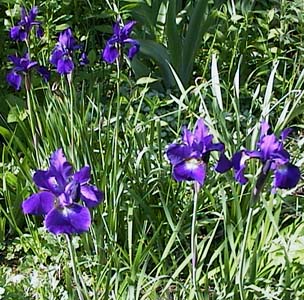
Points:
[[69, 78], [254, 198], [194, 234], [241, 273], [74, 267]]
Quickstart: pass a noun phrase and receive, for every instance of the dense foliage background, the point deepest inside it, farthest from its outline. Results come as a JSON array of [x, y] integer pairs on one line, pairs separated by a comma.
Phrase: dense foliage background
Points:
[[233, 63]]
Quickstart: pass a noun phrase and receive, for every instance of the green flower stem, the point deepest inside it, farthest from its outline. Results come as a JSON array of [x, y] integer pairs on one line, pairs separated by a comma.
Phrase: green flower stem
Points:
[[194, 235], [76, 275], [254, 198], [71, 91], [243, 249]]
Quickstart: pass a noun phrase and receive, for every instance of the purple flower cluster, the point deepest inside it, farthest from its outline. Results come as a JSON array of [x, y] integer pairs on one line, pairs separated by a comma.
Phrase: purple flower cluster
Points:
[[60, 191], [23, 65], [62, 54], [21, 31], [189, 158]]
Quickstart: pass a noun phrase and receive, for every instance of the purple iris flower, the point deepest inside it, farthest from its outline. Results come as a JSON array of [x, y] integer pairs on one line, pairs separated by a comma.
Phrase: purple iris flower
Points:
[[60, 190], [270, 151], [21, 31], [22, 67], [61, 56], [119, 38], [190, 158]]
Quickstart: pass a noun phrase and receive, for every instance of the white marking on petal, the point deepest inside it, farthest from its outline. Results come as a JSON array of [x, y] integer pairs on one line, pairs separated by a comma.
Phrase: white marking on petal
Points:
[[192, 164]]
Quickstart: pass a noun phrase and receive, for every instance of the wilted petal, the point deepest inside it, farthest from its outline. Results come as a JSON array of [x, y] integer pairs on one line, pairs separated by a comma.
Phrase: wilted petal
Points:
[[110, 53], [14, 79], [286, 176], [70, 219], [177, 153], [91, 195], [192, 170], [38, 204]]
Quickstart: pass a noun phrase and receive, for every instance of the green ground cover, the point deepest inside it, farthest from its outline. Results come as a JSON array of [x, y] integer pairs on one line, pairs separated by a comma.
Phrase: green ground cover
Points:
[[234, 64]]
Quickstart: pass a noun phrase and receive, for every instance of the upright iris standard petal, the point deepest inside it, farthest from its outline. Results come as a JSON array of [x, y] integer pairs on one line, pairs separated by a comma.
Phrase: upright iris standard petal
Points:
[[60, 190], [120, 38], [70, 219], [60, 164], [189, 159], [83, 175]]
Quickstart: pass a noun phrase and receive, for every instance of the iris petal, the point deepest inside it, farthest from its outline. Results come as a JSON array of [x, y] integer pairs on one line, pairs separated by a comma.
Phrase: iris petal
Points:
[[176, 153], [83, 175], [224, 164], [110, 53], [60, 164], [38, 204], [72, 219], [14, 79], [190, 170], [286, 176], [91, 195]]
